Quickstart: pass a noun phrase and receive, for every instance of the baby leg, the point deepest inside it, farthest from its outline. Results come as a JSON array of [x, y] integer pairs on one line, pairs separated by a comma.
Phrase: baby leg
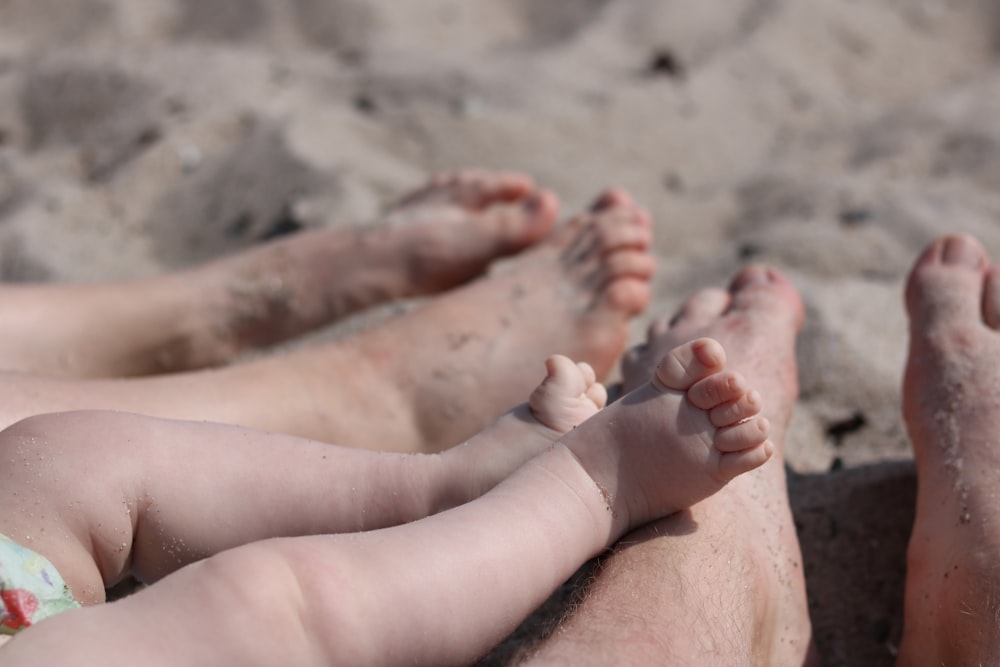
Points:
[[98, 493], [442, 590]]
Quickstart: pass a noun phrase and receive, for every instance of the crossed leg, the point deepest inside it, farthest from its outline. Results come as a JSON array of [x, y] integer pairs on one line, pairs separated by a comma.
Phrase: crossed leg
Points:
[[422, 381], [721, 584], [950, 405], [436, 238]]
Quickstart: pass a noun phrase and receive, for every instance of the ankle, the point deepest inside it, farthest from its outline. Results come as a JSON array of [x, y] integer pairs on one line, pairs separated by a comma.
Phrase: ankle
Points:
[[493, 454], [951, 609], [609, 517]]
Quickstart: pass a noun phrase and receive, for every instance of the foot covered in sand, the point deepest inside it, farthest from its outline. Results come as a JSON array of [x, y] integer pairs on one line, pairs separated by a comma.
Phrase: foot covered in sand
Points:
[[438, 237], [451, 229], [951, 413], [571, 294]]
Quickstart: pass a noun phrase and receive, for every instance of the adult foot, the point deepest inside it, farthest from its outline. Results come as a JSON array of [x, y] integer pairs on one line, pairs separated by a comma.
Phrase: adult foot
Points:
[[737, 549], [572, 294], [423, 381], [951, 412], [436, 238]]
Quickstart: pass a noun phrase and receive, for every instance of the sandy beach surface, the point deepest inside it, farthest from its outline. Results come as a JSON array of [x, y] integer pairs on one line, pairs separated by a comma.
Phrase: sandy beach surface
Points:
[[831, 138]]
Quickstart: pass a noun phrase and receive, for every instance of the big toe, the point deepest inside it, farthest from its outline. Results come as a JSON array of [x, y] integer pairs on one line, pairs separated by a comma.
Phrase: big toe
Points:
[[767, 294], [520, 224], [477, 189], [686, 364], [946, 285]]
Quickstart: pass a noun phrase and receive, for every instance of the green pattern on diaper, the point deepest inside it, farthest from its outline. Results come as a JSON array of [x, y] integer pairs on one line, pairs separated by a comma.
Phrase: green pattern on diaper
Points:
[[30, 588]]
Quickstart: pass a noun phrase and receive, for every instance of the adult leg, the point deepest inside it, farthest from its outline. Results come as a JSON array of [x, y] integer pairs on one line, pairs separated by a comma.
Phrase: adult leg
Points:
[[422, 381], [951, 411], [721, 584], [442, 590], [435, 239]]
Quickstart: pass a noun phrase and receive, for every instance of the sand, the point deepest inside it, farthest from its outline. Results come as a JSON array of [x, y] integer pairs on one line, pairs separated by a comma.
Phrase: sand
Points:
[[831, 138]]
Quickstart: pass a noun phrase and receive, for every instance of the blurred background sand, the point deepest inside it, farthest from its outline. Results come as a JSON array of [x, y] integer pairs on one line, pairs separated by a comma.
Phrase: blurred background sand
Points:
[[831, 138]]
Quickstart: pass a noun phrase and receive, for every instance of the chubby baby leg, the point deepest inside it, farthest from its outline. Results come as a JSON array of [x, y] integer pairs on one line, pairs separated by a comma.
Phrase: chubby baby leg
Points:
[[100, 493], [444, 589]]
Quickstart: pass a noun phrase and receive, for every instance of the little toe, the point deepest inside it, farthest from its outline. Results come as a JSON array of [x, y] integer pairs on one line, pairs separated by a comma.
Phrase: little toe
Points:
[[736, 463], [588, 372], [687, 364], [733, 412], [717, 390], [597, 394]]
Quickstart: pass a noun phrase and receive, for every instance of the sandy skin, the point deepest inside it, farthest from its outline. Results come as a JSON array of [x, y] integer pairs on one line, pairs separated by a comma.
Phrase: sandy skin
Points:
[[435, 238], [951, 412], [470, 354]]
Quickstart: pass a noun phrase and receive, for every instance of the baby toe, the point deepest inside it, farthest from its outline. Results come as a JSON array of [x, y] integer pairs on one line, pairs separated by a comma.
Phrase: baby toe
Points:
[[690, 365], [742, 436], [737, 463], [717, 389], [733, 412]]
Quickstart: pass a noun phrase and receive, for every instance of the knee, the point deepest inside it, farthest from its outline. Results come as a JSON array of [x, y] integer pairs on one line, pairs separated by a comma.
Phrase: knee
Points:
[[63, 436], [31, 448]]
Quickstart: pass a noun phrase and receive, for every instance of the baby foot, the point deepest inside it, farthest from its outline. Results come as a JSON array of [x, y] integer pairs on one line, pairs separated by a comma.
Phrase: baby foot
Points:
[[569, 395], [481, 345], [676, 440]]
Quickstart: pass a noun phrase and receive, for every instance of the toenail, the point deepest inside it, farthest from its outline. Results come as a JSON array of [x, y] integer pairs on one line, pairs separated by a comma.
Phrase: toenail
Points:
[[752, 275], [960, 250]]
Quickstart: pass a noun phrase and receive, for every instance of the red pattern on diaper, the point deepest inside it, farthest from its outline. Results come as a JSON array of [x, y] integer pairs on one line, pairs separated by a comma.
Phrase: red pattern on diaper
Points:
[[20, 607]]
